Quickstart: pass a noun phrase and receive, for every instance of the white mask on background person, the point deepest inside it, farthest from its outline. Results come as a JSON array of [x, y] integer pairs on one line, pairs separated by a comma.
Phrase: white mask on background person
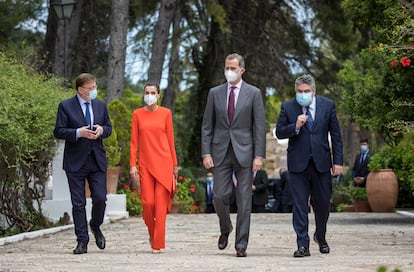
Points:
[[93, 94], [230, 76], [150, 99]]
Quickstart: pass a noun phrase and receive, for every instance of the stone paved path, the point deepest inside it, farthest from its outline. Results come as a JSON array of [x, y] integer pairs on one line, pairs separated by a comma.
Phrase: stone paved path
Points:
[[359, 242]]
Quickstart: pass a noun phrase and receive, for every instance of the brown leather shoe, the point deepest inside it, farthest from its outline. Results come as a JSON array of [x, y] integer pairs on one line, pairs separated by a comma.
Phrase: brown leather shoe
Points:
[[241, 252]]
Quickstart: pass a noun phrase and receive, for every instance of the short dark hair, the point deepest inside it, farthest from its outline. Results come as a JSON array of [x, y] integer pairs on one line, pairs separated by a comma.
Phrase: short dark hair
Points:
[[364, 141], [83, 78], [152, 84]]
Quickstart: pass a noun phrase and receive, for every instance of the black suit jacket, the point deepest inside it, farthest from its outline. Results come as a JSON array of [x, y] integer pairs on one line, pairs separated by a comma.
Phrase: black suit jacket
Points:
[[69, 118], [361, 170], [261, 183]]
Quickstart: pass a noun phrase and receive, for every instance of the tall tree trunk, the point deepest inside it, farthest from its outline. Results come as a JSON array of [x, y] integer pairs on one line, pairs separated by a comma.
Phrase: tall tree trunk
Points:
[[211, 73], [117, 50], [160, 40], [174, 73]]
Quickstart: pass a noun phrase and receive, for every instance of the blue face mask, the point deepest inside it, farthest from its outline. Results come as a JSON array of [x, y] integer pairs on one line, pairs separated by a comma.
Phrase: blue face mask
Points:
[[93, 94], [304, 99], [364, 148], [209, 179]]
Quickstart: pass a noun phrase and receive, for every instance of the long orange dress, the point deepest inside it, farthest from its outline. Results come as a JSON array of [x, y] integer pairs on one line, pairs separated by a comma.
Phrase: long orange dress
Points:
[[152, 147]]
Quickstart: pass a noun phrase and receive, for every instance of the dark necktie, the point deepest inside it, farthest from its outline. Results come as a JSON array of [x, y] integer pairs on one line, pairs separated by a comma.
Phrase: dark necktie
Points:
[[88, 115], [362, 159], [209, 193], [230, 108], [309, 123]]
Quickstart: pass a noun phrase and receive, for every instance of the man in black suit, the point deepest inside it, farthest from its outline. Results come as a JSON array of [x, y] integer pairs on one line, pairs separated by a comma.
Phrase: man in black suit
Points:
[[307, 120], [209, 193], [360, 170], [259, 190], [83, 121]]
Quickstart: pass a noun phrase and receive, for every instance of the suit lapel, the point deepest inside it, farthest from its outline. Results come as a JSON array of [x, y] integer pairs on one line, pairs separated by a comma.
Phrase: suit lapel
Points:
[[222, 100], [318, 110], [241, 100], [78, 109]]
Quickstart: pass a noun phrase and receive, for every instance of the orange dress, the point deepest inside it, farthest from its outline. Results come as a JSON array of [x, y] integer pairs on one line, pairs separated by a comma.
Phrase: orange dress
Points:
[[152, 147]]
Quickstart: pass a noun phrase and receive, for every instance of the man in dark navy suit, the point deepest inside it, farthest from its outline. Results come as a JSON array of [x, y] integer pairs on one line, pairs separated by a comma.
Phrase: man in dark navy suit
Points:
[[307, 120], [83, 121], [259, 190], [360, 170]]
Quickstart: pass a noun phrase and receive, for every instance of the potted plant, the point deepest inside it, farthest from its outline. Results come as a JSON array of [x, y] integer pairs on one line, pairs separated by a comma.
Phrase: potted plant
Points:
[[359, 198], [382, 183]]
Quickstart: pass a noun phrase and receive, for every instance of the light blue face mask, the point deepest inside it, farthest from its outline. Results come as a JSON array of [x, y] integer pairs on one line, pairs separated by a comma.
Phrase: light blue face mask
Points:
[[93, 94], [364, 148], [304, 99], [209, 179]]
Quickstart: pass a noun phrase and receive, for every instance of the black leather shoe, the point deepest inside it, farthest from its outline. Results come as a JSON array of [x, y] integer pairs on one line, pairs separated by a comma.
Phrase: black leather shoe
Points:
[[241, 252], [81, 248], [99, 238], [323, 247], [302, 252], [223, 241]]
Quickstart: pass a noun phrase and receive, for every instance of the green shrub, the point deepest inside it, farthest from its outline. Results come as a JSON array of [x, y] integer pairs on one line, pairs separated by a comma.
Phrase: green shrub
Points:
[[121, 118], [28, 107], [357, 193]]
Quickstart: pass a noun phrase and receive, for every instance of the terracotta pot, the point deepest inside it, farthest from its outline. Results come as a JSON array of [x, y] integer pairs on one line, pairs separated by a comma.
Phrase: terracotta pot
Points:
[[175, 206], [87, 190], [382, 190], [112, 178], [361, 206], [349, 208]]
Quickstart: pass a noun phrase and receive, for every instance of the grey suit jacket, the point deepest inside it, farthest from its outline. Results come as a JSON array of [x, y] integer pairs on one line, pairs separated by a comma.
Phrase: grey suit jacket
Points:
[[247, 134]]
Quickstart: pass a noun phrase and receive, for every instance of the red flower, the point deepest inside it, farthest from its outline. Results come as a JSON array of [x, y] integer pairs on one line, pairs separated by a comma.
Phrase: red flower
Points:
[[180, 177], [394, 63], [405, 61], [126, 187], [192, 188], [411, 46], [195, 207]]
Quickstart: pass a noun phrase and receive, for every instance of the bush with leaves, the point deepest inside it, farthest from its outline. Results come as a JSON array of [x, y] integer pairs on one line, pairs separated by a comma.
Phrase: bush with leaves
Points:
[[28, 107]]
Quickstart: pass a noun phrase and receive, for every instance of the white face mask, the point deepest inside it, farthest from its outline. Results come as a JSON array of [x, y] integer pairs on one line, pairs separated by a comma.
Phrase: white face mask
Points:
[[150, 99], [231, 76]]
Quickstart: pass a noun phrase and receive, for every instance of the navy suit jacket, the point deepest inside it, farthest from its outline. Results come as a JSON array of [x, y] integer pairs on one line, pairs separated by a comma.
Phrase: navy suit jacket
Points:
[[314, 141], [361, 170], [69, 118], [261, 182]]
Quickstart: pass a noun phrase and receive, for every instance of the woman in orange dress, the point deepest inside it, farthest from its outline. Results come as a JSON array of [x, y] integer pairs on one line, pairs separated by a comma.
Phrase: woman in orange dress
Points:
[[152, 148]]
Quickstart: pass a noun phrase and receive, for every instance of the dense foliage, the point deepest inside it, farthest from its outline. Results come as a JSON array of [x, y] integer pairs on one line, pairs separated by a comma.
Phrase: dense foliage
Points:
[[28, 108]]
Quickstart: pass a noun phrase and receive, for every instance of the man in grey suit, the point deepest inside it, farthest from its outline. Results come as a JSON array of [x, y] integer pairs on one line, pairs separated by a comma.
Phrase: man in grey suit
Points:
[[307, 120], [233, 140]]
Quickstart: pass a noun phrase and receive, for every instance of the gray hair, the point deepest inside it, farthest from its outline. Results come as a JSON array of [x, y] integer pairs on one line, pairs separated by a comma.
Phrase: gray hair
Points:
[[238, 57], [305, 79]]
